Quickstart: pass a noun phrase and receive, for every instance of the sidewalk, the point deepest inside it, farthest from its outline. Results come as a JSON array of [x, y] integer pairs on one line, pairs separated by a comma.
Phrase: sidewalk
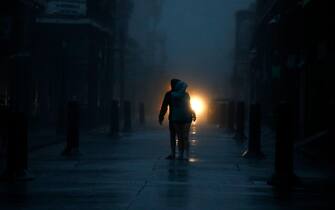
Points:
[[131, 173]]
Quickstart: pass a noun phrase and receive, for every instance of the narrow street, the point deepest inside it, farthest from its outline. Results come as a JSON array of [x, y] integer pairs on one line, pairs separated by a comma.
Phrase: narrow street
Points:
[[132, 173], [86, 84]]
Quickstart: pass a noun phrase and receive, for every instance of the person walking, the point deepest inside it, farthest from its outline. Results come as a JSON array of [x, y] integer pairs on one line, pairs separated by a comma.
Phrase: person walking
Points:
[[180, 117], [164, 107]]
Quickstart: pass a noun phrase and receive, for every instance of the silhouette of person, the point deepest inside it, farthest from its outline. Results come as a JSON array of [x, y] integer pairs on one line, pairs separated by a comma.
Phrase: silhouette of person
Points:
[[167, 103], [180, 117]]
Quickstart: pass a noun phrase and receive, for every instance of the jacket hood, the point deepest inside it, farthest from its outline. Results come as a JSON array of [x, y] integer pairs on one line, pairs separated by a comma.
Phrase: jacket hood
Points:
[[181, 86], [179, 89], [173, 83]]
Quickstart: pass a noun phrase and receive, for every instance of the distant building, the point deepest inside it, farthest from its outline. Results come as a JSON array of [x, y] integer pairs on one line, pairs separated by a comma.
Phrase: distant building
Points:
[[245, 21]]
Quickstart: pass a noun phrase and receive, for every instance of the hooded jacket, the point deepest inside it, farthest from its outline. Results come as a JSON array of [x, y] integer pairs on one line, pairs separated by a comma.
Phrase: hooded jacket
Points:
[[181, 111], [178, 101], [167, 100]]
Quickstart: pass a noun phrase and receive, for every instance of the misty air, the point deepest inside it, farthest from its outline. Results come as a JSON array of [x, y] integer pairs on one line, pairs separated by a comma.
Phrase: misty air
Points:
[[166, 105]]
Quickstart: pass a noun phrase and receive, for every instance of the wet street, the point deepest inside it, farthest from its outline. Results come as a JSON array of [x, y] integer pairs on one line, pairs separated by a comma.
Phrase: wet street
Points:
[[132, 173]]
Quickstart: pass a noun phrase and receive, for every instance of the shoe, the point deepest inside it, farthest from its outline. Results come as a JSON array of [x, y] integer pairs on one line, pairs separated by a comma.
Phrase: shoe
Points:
[[170, 157]]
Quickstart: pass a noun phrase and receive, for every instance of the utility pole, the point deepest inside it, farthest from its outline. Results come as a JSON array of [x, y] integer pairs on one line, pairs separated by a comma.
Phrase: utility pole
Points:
[[123, 45], [125, 9]]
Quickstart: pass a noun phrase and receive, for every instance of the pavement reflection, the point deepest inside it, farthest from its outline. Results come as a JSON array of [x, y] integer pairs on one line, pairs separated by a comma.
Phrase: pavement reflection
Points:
[[178, 190]]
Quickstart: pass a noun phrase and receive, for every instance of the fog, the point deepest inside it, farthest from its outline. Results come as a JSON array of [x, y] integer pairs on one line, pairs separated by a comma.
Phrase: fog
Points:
[[201, 39], [196, 42], [167, 104], [99, 51]]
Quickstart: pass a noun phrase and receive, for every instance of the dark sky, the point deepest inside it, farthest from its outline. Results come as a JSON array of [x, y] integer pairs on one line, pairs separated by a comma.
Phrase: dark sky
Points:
[[200, 36]]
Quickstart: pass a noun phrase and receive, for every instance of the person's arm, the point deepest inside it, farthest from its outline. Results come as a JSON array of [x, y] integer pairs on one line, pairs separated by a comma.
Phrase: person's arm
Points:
[[164, 108], [194, 116]]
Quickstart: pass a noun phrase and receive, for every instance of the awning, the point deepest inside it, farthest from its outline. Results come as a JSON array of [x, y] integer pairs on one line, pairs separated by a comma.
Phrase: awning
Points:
[[69, 21], [34, 2]]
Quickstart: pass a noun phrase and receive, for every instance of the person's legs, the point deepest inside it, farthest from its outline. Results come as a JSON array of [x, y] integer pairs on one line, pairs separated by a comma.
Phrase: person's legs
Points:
[[179, 131], [186, 134], [172, 141]]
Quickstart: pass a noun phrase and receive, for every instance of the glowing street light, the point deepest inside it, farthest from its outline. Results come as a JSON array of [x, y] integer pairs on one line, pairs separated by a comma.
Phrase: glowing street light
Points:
[[198, 105]]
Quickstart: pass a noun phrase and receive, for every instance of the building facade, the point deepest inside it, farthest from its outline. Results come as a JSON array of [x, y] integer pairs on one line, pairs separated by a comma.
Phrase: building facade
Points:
[[293, 61], [245, 20], [73, 59], [54, 51]]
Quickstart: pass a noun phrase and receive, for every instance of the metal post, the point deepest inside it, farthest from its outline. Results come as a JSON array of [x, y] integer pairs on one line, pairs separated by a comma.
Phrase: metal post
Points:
[[240, 121], [114, 119], [141, 114], [127, 117], [17, 160], [212, 113], [331, 122], [3, 128], [231, 116], [254, 143], [284, 175], [72, 138], [223, 112]]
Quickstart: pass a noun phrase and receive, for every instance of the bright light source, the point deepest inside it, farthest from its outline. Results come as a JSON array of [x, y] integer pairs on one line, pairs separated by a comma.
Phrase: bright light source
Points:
[[198, 105]]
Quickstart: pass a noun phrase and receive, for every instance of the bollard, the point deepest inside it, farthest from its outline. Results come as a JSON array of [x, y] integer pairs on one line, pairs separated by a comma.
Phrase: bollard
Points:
[[72, 130], [231, 116], [17, 159], [331, 122], [214, 114], [141, 114], [4, 147], [3, 128], [60, 121], [127, 117], [240, 121], [283, 175], [254, 143], [223, 112], [114, 119], [211, 113]]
